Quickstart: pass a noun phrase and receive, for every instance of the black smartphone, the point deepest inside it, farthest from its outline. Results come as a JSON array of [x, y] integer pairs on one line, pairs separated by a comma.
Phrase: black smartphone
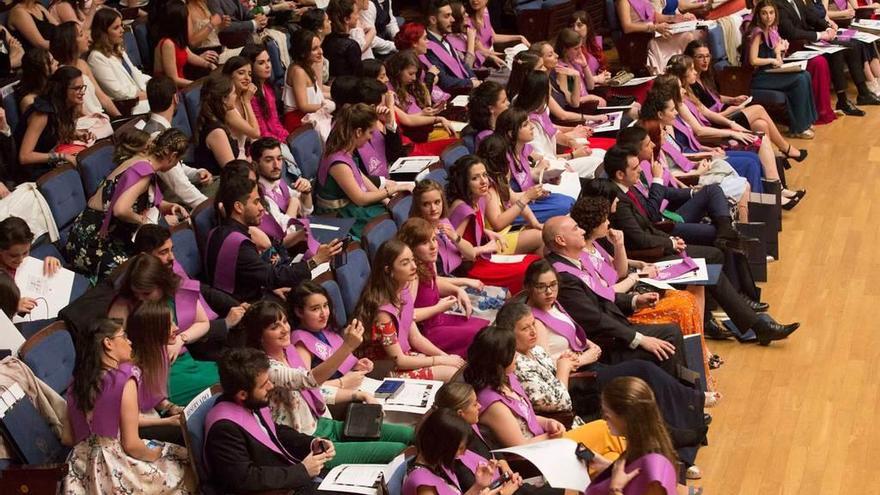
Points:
[[504, 478], [318, 447], [341, 258], [584, 454]]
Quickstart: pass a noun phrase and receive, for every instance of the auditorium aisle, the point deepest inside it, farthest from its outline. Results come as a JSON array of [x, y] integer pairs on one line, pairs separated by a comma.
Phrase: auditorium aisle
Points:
[[800, 417]]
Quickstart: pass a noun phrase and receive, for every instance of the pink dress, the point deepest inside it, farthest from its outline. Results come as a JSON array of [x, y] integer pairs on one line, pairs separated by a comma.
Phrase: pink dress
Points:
[[451, 333], [270, 124], [821, 79]]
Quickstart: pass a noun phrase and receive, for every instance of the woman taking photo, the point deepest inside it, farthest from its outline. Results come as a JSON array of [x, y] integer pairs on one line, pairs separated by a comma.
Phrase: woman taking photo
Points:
[[113, 70], [344, 189], [108, 454], [68, 44], [387, 304], [477, 212], [172, 56], [301, 394], [435, 296], [146, 280], [305, 96], [648, 465], [215, 145], [457, 256], [126, 199]]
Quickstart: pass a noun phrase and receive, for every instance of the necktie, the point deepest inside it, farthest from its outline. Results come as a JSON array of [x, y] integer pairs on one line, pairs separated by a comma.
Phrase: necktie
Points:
[[632, 195]]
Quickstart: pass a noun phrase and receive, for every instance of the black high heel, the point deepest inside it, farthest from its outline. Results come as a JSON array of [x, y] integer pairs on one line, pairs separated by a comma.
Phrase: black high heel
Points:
[[792, 202], [801, 156]]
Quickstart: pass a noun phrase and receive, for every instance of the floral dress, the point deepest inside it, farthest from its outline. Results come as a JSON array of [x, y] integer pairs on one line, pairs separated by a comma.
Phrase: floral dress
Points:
[[97, 255], [385, 334], [537, 375]]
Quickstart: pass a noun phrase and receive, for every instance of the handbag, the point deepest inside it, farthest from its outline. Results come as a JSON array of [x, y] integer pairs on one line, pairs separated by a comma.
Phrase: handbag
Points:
[[621, 78], [363, 421]]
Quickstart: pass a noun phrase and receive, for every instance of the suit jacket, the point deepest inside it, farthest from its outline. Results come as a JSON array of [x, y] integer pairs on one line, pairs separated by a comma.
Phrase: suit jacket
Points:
[[245, 465], [603, 321], [799, 28], [241, 18], [639, 231], [448, 79]]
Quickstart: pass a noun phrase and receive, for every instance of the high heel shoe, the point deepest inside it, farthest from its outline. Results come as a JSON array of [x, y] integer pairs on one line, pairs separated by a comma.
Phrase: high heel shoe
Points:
[[792, 202], [799, 158], [800, 193]]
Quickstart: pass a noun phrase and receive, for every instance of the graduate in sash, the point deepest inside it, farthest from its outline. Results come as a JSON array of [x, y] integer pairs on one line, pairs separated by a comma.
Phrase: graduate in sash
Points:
[[454, 73], [245, 450]]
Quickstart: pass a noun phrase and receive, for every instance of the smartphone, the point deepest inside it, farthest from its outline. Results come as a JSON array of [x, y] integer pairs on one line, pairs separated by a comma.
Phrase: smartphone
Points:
[[318, 447], [341, 258], [583, 453], [504, 478]]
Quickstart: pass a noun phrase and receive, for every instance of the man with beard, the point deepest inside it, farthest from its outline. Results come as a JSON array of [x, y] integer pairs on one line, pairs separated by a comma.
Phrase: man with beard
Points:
[[233, 262], [454, 73], [245, 450]]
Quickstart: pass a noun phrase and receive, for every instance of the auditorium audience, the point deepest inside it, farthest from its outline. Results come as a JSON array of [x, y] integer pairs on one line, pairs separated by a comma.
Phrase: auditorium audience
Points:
[[111, 66], [453, 74], [37, 65], [305, 96], [265, 101], [172, 55], [32, 24], [215, 144], [241, 119], [643, 16], [68, 44], [341, 50]]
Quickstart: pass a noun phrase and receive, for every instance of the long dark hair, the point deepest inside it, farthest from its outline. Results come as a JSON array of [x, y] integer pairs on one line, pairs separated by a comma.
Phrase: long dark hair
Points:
[[339, 11], [173, 23], [88, 366], [63, 43], [148, 328], [36, 67], [523, 63], [233, 64], [57, 91], [381, 287], [349, 119], [301, 50], [708, 76], [633, 400], [439, 436], [9, 295], [494, 152], [213, 110], [488, 357], [482, 98], [458, 186], [534, 272], [534, 93], [296, 300], [507, 126], [251, 51], [144, 272]]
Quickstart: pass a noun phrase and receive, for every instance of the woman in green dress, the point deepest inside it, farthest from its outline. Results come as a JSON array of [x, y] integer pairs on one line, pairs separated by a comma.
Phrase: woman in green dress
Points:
[[345, 189], [148, 280]]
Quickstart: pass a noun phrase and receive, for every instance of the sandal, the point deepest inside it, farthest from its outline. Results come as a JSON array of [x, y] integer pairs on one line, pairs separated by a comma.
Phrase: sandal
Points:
[[712, 399], [798, 158], [715, 361], [694, 473]]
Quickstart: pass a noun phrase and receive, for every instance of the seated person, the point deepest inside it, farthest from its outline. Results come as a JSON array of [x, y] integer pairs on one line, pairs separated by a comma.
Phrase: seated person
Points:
[[414, 108], [387, 305], [245, 450], [182, 179], [454, 74], [37, 65], [642, 16], [68, 45], [11, 53], [15, 245], [341, 50], [215, 144], [303, 393], [413, 36], [32, 23], [172, 56], [241, 118], [287, 205], [108, 453], [485, 104], [113, 70]]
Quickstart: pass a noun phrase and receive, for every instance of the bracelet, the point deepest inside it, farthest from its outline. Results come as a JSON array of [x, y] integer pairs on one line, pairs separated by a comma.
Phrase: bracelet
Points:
[[457, 240], [522, 206], [433, 360]]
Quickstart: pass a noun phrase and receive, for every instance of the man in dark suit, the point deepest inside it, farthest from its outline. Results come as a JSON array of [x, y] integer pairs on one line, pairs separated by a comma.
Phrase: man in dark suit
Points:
[[605, 320], [641, 234], [454, 73], [245, 450], [800, 22]]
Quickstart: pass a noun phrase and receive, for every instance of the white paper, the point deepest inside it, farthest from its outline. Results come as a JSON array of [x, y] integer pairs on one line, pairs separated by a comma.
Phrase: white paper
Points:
[[459, 101], [323, 267], [679, 27], [612, 124], [826, 48], [507, 258], [748, 100], [866, 37], [50, 293], [415, 396], [556, 461], [619, 107], [636, 81], [412, 164], [353, 478], [866, 23], [197, 401], [457, 126], [701, 274], [10, 337], [323, 226], [803, 55], [656, 283], [796, 66]]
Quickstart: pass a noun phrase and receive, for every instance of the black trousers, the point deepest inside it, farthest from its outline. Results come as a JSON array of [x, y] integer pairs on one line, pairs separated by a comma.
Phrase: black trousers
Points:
[[851, 58], [669, 332]]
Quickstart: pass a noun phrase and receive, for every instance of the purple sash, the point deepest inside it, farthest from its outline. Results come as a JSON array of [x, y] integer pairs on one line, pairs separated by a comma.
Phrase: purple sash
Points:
[[450, 256], [520, 169], [485, 34], [573, 333], [654, 468], [321, 350], [718, 105], [312, 396], [592, 61], [542, 119], [188, 294], [607, 270], [695, 110], [124, 182], [270, 226], [402, 317], [437, 93], [522, 408], [458, 42], [422, 476], [449, 60], [686, 265], [580, 70], [463, 212], [643, 9], [842, 5], [589, 278], [373, 156], [280, 195], [244, 419], [472, 461], [105, 416], [481, 136], [771, 36], [649, 176], [227, 260], [340, 157]]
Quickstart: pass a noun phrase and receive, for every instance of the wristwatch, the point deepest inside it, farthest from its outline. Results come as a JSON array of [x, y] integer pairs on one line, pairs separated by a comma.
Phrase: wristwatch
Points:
[[312, 264]]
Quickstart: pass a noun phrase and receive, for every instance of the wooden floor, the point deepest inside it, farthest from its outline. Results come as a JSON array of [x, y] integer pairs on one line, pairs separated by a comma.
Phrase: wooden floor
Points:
[[801, 416]]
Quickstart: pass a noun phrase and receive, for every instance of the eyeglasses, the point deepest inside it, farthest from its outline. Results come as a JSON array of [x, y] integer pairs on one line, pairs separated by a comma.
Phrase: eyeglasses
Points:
[[702, 57], [123, 335], [551, 287], [79, 89]]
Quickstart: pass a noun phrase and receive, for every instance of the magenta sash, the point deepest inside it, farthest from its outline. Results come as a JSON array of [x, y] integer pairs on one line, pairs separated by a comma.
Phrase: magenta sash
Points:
[[340, 157], [437, 93], [573, 333], [718, 105], [458, 42], [485, 34], [542, 119], [481, 136], [312, 396], [321, 350], [589, 278], [280, 195], [580, 70], [373, 156], [522, 408], [244, 419], [450, 256], [126, 180], [270, 226], [472, 461], [771, 36], [607, 270], [451, 62], [686, 265], [422, 476], [696, 112], [227, 261], [592, 61], [521, 169], [655, 469], [649, 177], [643, 9], [312, 244], [841, 5], [188, 294], [105, 413], [463, 212], [402, 317]]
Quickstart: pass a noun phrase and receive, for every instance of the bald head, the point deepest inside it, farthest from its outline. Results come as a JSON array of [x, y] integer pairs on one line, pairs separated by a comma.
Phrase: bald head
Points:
[[551, 229]]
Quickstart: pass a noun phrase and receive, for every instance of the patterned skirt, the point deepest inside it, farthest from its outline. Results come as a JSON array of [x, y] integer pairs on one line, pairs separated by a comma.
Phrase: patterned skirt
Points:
[[95, 255], [99, 465]]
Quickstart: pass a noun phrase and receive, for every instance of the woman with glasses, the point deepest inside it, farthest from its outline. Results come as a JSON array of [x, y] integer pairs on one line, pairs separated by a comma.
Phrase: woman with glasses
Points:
[[108, 455]]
